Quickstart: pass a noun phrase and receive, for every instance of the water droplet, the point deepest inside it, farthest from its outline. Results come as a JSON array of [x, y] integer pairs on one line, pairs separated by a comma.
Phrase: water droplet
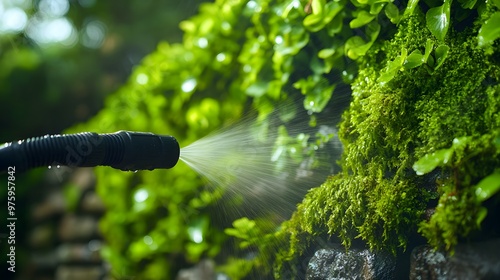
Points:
[[247, 68], [202, 42], [226, 26], [196, 234], [189, 85], [220, 57], [148, 240], [142, 79], [278, 40], [141, 195]]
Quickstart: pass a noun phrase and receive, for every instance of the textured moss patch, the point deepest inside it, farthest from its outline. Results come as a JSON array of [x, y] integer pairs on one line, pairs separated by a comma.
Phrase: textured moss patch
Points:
[[447, 105]]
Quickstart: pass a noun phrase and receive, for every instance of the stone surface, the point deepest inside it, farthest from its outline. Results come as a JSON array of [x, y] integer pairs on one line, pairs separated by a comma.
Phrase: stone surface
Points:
[[204, 270], [470, 261], [337, 263]]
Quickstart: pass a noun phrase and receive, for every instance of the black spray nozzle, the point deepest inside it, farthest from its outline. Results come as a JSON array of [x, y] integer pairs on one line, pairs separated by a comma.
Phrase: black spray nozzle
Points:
[[124, 150]]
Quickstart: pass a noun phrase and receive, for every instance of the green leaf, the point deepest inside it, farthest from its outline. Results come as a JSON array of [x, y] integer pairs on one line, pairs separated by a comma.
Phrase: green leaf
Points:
[[428, 49], [392, 12], [415, 59], [325, 53], [356, 46], [362, 18], [317, 6], [335, 26], [317, 99], [438, 20], [331, 10], [376, 7], [488, 186], [392, 68], [412, 4], [313, 22], [430, 161], [317, 90], [482, 213], [317, 20], [467, 4], [257, 89], [490, 31], [441, 54]]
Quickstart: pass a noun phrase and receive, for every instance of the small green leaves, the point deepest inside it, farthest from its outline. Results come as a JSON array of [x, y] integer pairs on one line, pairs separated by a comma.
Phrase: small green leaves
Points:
[[488, 186], [428, 49], [430, 161], [490, 31], [415, 59], [441, 157], [467, 4], [412, 4], [322, 14], [392, 12], [362, 18], [242, 228], [438, 20], [246, 230], [356, 46], [318, 92], [441, 54], [392, 68]]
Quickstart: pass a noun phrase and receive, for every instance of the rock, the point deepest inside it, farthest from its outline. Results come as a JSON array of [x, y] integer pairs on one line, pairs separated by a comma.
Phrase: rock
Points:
[[204, 270], [470, 261], [74, 227], [67, 272], [337, 263]]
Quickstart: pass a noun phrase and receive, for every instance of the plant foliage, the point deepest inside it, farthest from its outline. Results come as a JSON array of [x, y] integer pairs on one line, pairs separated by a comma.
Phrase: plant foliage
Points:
[[421, 74]]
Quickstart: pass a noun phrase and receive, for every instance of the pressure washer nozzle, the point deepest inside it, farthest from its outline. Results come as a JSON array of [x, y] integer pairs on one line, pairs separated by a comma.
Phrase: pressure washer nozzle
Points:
[[124, 150]]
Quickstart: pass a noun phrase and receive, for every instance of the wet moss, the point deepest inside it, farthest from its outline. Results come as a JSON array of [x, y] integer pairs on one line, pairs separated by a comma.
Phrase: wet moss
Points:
[[378, 197]]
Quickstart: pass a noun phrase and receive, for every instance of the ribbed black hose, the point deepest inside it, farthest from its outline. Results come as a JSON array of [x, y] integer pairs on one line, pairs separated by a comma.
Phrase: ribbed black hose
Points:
[[125, 150]]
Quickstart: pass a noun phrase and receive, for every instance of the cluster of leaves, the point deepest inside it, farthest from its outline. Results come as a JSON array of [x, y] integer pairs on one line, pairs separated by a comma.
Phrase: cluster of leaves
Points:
[[158, 221], [406, 109], [404, 106], [463, 187], [228, 55]]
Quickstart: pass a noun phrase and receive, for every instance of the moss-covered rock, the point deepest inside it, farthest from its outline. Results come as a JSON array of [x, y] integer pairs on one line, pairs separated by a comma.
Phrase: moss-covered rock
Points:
[[412, 133]]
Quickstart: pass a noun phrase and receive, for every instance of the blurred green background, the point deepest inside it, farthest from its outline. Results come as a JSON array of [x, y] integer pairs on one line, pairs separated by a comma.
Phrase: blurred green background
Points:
[[59, 60]]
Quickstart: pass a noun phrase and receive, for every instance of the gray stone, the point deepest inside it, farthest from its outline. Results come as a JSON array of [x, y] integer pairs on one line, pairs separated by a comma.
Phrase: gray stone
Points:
[[204, 270], [337, 263], [470, 261]]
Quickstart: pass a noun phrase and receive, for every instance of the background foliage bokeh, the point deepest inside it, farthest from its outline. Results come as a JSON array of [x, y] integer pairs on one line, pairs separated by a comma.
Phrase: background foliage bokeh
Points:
[[50, 82]]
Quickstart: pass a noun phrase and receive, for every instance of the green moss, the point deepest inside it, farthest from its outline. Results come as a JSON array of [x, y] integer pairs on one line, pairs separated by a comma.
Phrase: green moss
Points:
[[389, 126]]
